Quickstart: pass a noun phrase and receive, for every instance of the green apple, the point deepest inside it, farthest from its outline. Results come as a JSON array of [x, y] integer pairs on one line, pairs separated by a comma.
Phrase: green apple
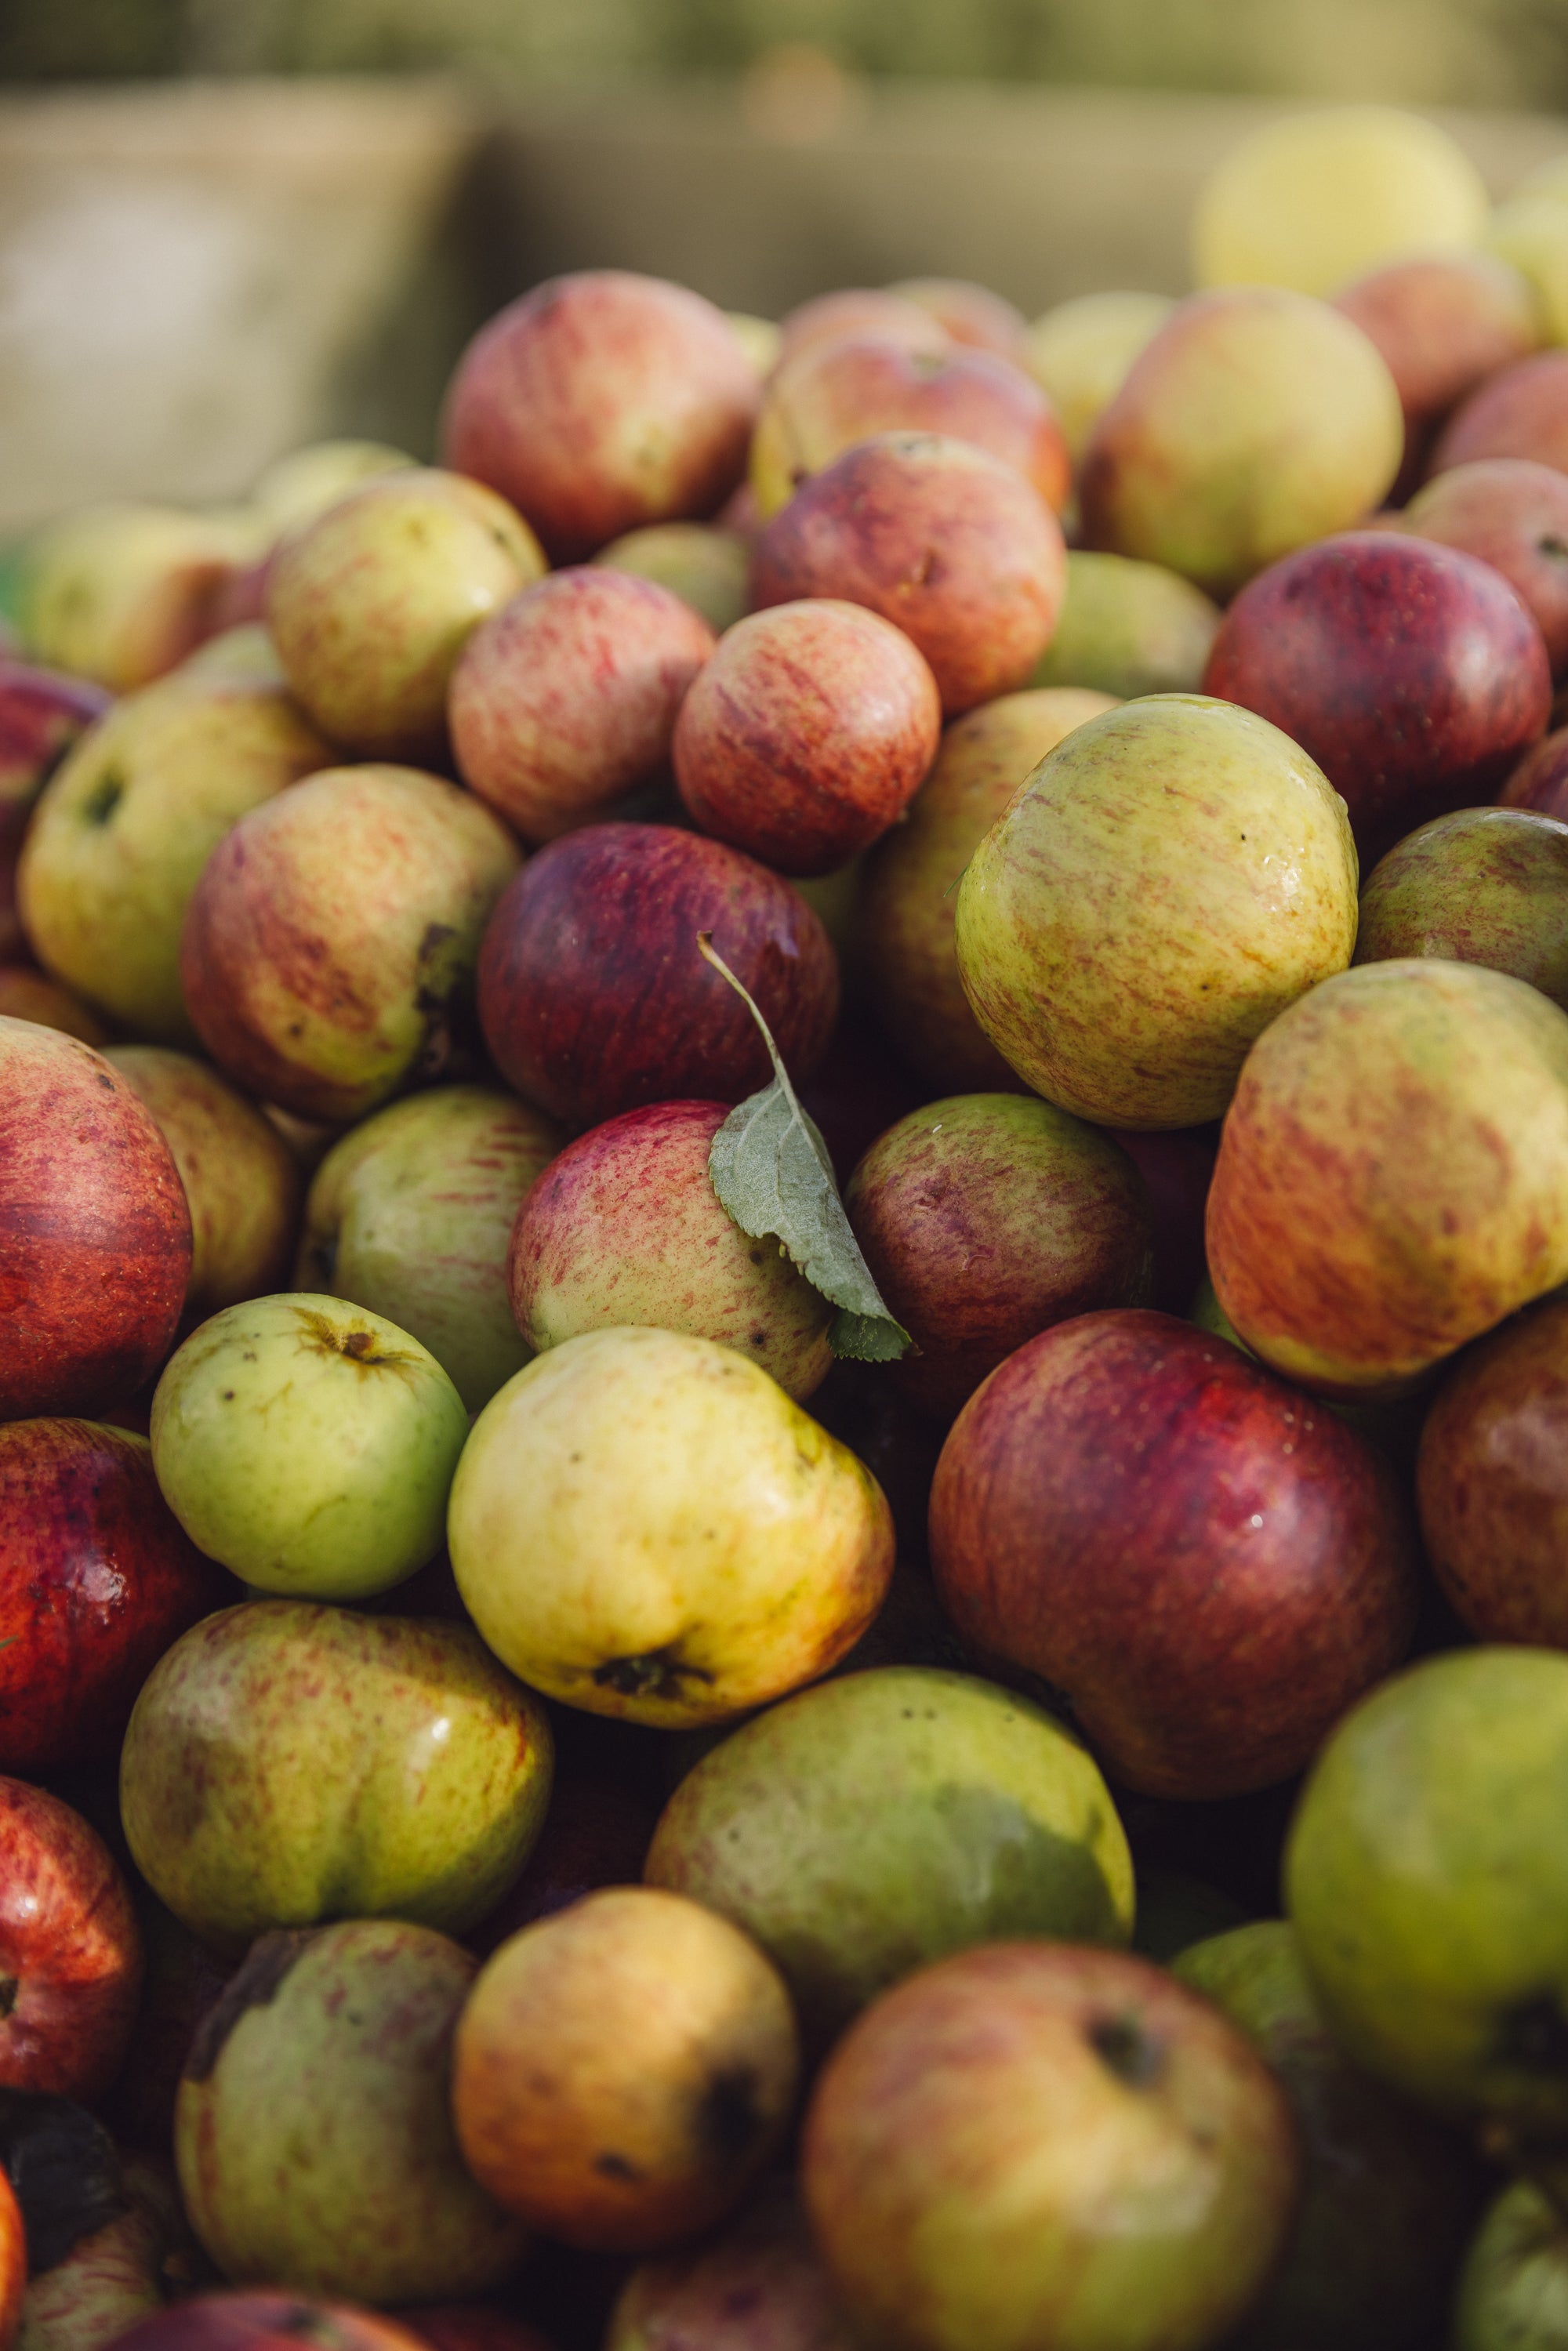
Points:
[[643, 1524], [1426, 1876], [288, 1764], [862, 1828], [313, 2133], [308, 1445], [1080, 353], [1171, 877], [1487, 885], [1388, 2194], [698, 560], [120, 592], [1513, 2289], [1128, 628], [410, 1216]]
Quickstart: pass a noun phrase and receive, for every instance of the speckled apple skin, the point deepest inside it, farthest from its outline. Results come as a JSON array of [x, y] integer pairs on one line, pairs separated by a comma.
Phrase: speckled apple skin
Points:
[[762, 2268], [70, 1949], [1487, 885], [1541, 780], [1392, 1175], [95, 1235], [1521, 411], [946, 541], [1443, 322], [1411, 673], [808, 734], [602, 401], [626, 1227], [1511, 513], [1209, 1565], [97, 1580], [594, 997]]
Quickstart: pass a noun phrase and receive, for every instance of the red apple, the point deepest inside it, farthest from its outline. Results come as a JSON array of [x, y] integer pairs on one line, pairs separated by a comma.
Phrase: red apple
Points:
[[1541, 780], [70, 1950], [95, 1235], [259, 2321], [596, 1832], [13, 2261], [593, 997], [1412, 673], [567, 698], [1209, 1566], [1513, 513], [948, 542], [602, 401], [1176, 1164], [861, 310], [42, 713], [1521, 411], [971, 314], [469, 2326], [97, 1580], [855, 1092], [1444, 322], [808, 734]]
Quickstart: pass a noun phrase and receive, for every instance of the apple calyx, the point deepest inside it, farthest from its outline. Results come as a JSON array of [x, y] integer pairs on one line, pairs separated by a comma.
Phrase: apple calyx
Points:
[[1128, 2049], [658, 1672]]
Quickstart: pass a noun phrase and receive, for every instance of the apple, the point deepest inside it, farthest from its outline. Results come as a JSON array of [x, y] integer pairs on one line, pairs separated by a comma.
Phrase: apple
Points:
[[1444, 322], [829, 397], [1411, 673], [1178, 1167], [888, 311], [1513, 2288], [1491, 1481], [29, 993], [567, 698], [182, 1981], [266, 2322], [758, 337], [297, 487], [327, 953], [1530, 233], [1255, 421], [1541, 780], [1446, 1979], [1128, 628], [1392, 1175], [1513, 513], [288, 1764], [759, 2286], [97, 1580], [314, 2135], [95, 1235], [1080, 351], [986, 1217], [806, 734], [882, 1820], [1520, 412], [1486, 886], [905, 915], [13, 2262], [70, 1952], [1171, 877], [411, 1216], [597, 1833], [973, 316], [592, 995], [119, 2273], [1208, 1567], [945, 540], [625, 1227], [120, 593], [623, 2070], [1388, 2195], [600, 402], [242, 655], [123, 829], [643, 1524], [856, 1091], [705, 564], [1033, 2143], [43, 714]]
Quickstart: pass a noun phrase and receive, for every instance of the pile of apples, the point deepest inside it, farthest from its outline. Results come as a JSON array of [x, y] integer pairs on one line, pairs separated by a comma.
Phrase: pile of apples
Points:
[[784, 1464]]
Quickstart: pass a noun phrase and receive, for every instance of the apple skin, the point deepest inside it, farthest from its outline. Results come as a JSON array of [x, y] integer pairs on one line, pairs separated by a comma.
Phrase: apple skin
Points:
[[1254, 422], [825, 399], [95, 1235], [1521, 411], [1513, 2289], [1393, 1174], [1485, 885], [282, 1767], [119, 2275], [370, 604], [623, 2070], [1209, 1566], [1128, 628], [808, 734], [313, 2134], [29, 993], [945, 540], [70, 1950], [410, 1216], [567, 698], [1037, 2143], [972, 315], [600, 402], [895, 316], [1080, 351], [594, 999], [266, 2322], [597, 1833], [886, 1818], [1513, 513], [1411, 673], [120, 593], [705, 565], [1492, 1480], [13, 2263], [97, 1581], [1541, 780], [1178, 1167], [759, 2286], [986, 1217], [1443, 322], [625, 1227], [303, 483], [43, 713], [906, 912], [329, 948]]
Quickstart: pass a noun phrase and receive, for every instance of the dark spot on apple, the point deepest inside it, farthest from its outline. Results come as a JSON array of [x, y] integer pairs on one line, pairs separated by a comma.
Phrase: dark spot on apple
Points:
[[1126, 2050], [104, 797], [1533, 2034], [659, 1673], [228, 1395], [65, 2169], [1550, 544], [8, 1990], [255, 1985], [616, 2167], [758, 1337]]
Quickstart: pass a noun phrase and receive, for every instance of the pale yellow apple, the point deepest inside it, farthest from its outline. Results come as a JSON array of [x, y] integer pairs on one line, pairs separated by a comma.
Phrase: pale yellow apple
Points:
[[120, 592], [244, 655], [697, 560], [1080, 353], [1531, 232], [759, 339], [297, 488]]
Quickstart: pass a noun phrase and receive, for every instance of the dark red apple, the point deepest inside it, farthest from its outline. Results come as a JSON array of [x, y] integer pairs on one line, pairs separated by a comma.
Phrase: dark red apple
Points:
[[265, 2321], [1207, 1564], [946, 541], [596, 1832], [97, 1580], [1176, 1164], [1444, 322], [1541, 780], [856, 1091], [1521, 411], [1412, 675], [593, 996], [600, 402], [469, 2326], [1513, 513], [95, 1234], [567, 698], [808, 734], [70, 1950]]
